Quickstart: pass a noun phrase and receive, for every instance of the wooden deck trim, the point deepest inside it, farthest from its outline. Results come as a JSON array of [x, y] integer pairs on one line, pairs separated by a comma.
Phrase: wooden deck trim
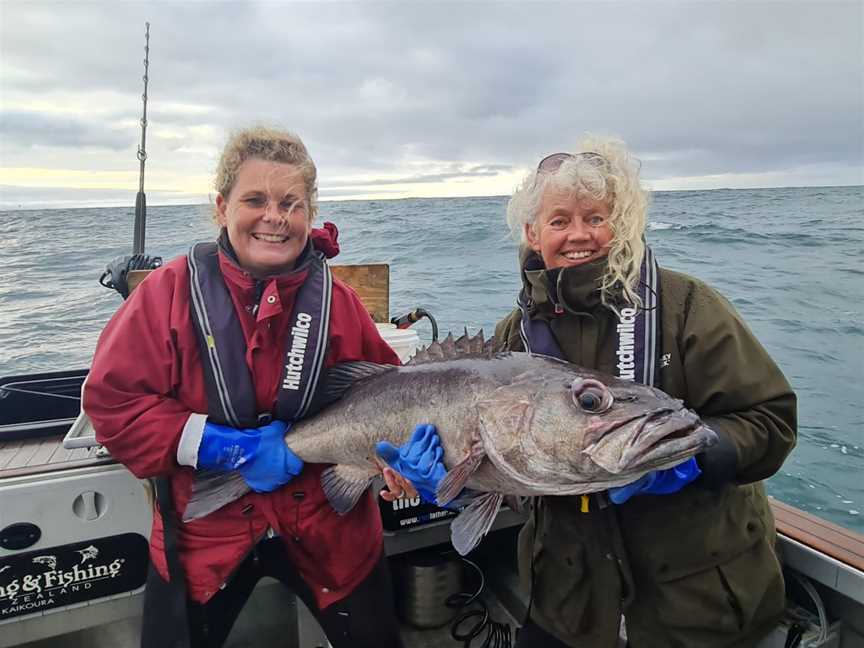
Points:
[[839, 543], [47, 469]]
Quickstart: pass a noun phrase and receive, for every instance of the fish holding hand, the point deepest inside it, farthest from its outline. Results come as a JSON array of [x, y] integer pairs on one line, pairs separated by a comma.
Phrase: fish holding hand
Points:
[[510, 425]]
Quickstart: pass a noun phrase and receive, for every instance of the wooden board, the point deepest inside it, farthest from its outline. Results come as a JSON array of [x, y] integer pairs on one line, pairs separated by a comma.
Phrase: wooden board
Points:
[[135, 277], [838, 542], [372, 283]]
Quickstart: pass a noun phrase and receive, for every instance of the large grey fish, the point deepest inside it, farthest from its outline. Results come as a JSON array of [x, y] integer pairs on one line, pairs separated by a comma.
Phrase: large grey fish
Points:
[[511, 424]]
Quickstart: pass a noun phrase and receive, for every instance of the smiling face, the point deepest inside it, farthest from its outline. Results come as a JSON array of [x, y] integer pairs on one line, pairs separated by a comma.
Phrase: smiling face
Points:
[[569, 229], [266, 215]]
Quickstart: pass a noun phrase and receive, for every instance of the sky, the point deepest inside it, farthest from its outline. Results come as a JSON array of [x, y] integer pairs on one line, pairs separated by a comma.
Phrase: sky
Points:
[[411, 99]]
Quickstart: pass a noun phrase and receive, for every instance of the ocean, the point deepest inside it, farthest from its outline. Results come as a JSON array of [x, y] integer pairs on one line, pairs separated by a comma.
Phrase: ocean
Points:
[[788, 259]]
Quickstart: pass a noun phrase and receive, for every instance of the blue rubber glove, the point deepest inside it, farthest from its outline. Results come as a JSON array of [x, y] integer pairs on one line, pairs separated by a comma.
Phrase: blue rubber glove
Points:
[[658, 482], [418, 460], [260, 454]]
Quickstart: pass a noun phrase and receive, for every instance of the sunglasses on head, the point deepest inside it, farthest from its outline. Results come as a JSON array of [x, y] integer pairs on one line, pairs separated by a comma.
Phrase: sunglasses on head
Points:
[[551, 163]]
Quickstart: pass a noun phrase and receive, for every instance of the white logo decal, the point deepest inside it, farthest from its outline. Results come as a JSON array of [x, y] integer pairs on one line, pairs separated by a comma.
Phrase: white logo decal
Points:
[[35, 590], [626, 358], [665, 359], [88, 553], [51, 561], [294, 358]]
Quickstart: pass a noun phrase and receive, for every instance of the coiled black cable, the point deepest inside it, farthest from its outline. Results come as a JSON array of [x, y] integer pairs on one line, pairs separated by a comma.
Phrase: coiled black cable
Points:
[[497, 634]]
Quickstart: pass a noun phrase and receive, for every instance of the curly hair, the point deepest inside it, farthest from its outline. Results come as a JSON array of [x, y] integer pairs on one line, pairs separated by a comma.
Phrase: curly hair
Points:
[[273, 145], [615, 181]]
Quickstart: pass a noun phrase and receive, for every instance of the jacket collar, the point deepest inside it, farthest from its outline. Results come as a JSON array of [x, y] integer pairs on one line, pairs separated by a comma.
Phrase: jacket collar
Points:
[[576, 289]]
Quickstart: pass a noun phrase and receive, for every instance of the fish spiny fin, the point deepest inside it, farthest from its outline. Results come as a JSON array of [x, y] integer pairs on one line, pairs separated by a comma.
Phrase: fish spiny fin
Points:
[[474, 522], [449, 348], [489, 347], [420, 357], [454, 481], [344, 485], [213, 489], [463, 344], [339, 378]]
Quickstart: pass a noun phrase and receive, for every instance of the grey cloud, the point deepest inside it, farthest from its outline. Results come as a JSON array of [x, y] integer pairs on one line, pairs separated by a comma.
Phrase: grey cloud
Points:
[[482, 171], [695, 88], [31, 129], [338, 192]]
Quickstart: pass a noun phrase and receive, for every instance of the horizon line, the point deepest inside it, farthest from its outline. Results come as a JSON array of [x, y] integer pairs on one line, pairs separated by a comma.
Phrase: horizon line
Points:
[[22, 207]]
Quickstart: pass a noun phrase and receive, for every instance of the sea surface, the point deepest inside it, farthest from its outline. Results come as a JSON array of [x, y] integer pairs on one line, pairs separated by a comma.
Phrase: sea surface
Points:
[[790, 260]]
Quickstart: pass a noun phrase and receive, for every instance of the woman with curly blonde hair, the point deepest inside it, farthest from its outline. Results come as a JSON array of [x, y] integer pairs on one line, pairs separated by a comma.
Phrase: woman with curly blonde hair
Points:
[[603, 171], [684, 556]]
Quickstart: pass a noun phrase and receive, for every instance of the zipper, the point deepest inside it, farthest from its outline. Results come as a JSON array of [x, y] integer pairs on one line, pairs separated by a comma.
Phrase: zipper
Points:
[[259, 292]]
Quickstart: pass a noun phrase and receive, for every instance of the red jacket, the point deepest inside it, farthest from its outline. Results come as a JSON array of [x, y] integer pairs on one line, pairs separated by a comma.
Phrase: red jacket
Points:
[[147, 379]]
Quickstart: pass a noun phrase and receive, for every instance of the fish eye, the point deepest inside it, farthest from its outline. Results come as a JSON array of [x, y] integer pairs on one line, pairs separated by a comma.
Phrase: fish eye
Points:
[[591, 396], [590, 401]]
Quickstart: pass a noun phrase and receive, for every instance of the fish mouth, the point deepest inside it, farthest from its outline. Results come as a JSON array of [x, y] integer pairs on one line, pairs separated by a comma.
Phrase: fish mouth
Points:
[[660, 439]]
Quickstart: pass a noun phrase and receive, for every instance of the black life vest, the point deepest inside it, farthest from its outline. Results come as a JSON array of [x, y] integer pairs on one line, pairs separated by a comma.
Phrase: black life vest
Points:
[[638, 330], [229, 383]]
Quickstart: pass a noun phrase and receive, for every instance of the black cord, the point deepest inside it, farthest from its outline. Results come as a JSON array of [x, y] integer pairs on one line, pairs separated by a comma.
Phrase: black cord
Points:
[[794, 636], [497, 634], [415, 316]]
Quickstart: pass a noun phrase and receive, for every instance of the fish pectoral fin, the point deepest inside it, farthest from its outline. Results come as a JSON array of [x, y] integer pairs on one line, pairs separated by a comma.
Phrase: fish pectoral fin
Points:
[[469, 527], [454, 481], [343, 485], [213, 489]]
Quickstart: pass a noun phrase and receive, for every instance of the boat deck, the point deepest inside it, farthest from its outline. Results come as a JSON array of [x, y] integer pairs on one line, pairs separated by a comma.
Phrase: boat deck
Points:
[[831, 539], [32, 456]]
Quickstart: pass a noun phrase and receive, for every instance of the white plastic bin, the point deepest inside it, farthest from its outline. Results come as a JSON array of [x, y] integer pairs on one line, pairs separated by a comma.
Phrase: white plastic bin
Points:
[[403, 341]]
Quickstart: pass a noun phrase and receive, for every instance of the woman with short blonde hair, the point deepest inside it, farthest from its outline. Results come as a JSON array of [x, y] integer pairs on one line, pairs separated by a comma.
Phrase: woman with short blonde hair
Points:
[[207, 388]]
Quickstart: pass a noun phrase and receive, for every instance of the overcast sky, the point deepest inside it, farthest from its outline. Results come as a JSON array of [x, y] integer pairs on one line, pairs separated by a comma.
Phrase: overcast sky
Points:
[[427, 98]]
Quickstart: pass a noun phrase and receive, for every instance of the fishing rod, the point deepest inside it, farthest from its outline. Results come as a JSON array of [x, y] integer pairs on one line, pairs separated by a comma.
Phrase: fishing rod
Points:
[[140, 199], [117, 271]]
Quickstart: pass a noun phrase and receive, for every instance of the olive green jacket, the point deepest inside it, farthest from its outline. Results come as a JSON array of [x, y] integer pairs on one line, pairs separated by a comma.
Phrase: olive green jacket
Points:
[[693, 569]]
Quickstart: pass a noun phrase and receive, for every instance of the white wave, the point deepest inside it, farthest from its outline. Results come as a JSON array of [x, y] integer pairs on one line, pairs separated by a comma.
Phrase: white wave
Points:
[[660, 226]]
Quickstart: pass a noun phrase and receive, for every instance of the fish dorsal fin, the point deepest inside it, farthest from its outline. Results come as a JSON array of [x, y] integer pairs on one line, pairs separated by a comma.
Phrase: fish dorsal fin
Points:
[[450, 348], [339, 378]]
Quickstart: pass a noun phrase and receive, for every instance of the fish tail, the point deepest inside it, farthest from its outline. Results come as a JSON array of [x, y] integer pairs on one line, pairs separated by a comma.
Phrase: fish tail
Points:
[[212, 490]]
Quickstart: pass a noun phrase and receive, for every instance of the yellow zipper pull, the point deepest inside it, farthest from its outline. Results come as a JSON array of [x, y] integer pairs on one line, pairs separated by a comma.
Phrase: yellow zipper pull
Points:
[[584, 504]]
